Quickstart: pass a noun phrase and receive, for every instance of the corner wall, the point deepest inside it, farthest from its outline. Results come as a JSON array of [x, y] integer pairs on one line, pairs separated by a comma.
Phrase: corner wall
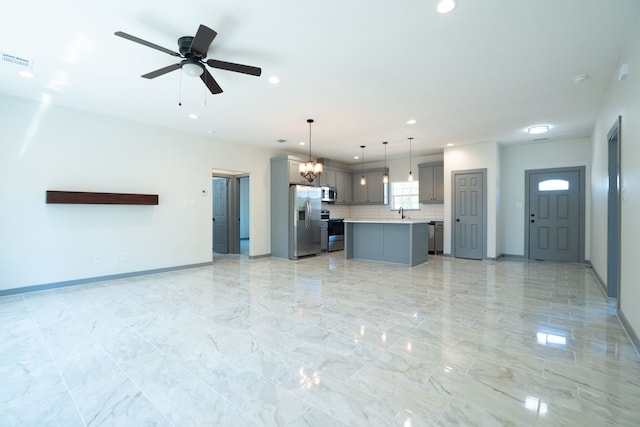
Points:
[[476, 156], [514, 160], [47, 147], [623, 100]]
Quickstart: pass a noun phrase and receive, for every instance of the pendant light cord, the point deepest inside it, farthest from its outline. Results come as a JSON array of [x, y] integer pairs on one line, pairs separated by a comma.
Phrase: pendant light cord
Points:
[[309, 121]]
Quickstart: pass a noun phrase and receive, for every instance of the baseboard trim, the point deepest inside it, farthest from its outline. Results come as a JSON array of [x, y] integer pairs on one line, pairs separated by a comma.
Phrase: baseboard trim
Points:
[[601, 283], [511, 257], [629, 330], [259, 256], [66, 283]]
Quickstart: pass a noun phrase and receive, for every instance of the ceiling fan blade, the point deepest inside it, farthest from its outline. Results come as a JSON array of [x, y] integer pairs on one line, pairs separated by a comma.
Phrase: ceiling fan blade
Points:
[[202, 40], [231, 66], [210, 82], [161, 71], [145, 43]]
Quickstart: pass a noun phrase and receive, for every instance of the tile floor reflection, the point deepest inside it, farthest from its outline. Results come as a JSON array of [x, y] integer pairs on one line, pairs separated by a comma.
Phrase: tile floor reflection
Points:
[[321, 342]]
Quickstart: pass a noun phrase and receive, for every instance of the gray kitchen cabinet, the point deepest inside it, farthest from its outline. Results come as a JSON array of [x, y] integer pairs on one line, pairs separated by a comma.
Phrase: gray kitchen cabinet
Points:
[[374, 192], [431, 179], [343, 187], [294, 174], [328, 177]]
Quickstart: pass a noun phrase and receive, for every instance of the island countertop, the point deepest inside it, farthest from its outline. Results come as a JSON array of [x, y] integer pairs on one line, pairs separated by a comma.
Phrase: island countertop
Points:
[[387, 220]]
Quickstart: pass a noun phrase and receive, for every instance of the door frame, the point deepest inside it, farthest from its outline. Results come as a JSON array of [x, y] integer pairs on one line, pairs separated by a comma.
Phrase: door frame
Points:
[[454, 174], [233, 207], [581, 222], [226, 210], [613, 210]]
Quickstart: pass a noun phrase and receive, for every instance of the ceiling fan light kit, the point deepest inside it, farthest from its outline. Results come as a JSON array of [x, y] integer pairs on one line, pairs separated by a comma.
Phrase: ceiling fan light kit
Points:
[[191, 68], [193, 51]]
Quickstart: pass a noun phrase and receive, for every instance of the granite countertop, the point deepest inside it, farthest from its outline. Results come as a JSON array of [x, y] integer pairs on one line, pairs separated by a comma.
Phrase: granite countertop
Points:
[[387, 220]]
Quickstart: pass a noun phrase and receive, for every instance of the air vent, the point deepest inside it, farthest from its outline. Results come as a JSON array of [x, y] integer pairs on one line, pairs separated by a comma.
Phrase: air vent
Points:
[[540, 139], [16, 60]]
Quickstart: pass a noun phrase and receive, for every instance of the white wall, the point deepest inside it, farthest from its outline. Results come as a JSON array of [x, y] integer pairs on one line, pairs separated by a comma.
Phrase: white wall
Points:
[[45, 147], [514, 160], [622, 99], [476, 156]]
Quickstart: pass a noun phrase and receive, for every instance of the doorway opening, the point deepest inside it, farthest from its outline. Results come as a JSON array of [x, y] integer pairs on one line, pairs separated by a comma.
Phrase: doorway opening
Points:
[[555, 214], [230, 212], [613, 212]]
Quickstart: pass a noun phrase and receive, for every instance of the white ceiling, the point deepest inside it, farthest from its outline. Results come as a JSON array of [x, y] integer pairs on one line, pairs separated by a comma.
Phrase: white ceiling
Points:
[[360, 68]]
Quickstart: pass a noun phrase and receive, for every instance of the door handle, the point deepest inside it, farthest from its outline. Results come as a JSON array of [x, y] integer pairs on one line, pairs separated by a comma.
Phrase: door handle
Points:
[[307, 219], [457, 219], [533, 220]]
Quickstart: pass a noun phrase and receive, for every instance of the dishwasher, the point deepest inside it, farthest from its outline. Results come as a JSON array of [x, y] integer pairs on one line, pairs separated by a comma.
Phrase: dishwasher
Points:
[[436, 234]]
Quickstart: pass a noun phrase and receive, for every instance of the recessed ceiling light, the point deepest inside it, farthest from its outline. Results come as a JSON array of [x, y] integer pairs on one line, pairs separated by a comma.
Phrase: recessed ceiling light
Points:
[[356, 157], [301, 143], [450, 144], [27, 74], [411, 122], [274, 80], [446, 6], [537, 129], [193, 116]]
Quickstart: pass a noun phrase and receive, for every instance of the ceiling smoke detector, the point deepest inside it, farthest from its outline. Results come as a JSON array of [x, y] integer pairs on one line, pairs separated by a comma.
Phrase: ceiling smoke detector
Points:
[[581, 78]]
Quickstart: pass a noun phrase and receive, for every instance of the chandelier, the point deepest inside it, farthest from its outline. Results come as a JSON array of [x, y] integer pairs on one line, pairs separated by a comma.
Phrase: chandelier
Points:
[[310, 170]]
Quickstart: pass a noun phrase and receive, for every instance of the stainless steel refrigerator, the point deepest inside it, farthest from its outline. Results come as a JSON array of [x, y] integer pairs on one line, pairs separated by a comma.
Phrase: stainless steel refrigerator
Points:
[[305, 204]]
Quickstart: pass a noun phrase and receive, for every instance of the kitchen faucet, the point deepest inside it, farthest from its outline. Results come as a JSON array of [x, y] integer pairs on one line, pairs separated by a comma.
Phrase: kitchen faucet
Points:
[[401, 212]]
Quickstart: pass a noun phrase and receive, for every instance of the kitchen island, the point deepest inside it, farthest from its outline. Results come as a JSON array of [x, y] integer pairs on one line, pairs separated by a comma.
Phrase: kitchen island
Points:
[[400, 241]]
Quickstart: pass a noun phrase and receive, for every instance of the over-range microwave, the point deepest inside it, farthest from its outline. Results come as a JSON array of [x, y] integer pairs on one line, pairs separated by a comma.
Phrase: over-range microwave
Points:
[[329, 194]]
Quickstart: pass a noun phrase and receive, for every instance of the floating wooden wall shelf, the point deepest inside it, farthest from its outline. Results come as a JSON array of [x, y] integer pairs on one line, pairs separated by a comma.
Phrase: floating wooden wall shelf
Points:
[[87, 198]]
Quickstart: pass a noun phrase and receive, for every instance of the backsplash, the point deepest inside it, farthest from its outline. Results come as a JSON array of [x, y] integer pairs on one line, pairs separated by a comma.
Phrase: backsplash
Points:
[[433, 212]]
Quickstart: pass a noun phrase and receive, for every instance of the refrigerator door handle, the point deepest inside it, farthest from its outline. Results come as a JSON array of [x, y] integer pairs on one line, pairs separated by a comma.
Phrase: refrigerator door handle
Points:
[[307, 219]]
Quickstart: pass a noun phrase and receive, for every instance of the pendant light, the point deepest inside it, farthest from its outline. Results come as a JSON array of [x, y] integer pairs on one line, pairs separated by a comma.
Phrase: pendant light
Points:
[[310, 170], [410, 177], [363, 180], [385, 177]]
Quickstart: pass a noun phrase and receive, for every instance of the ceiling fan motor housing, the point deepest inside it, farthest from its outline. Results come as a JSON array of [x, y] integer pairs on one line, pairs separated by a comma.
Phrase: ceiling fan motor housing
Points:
[[184, 47]]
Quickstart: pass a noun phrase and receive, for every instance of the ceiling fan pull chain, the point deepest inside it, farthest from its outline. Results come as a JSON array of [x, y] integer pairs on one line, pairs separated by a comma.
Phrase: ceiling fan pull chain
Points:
[[180, 91], [205, 90]]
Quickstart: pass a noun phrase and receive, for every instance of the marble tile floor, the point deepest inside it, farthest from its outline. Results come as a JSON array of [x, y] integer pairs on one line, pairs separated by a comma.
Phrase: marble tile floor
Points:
[[321, 341]]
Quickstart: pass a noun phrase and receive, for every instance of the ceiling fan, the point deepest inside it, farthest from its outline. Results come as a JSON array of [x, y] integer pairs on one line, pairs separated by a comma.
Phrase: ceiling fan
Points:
[[193, 51]]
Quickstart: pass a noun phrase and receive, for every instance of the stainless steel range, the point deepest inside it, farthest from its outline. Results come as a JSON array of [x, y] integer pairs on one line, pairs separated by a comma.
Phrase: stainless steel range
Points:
[[332, 232]]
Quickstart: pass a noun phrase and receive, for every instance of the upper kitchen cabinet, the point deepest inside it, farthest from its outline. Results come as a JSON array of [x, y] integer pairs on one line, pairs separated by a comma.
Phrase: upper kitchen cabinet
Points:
[[328, 177], [285, 171], [374, 192], [343, 187], [431, 179], [294, 174]]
